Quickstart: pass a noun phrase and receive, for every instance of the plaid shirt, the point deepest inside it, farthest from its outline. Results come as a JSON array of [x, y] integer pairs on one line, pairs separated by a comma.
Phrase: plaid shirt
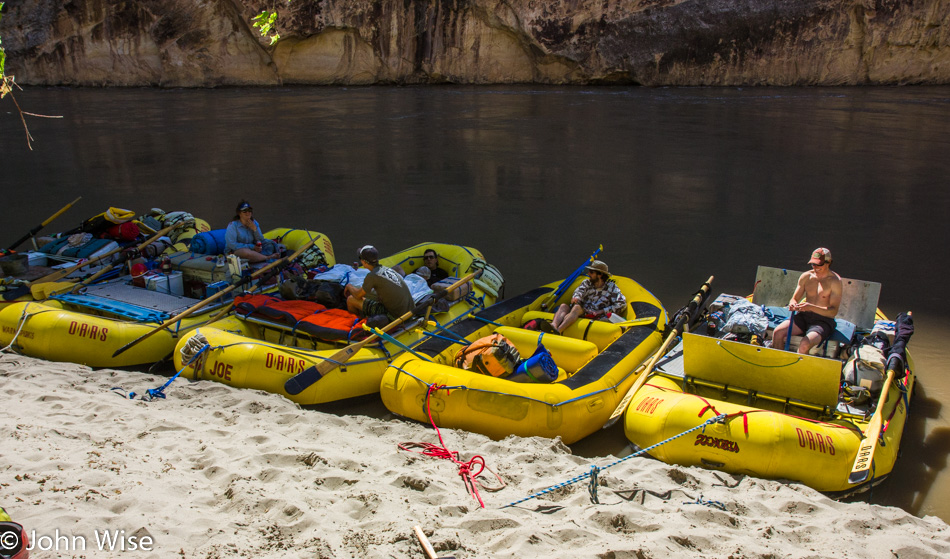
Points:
[[595, 299]]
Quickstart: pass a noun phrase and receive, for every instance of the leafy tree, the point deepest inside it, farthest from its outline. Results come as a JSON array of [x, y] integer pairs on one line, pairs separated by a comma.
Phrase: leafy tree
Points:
[[8, 83]]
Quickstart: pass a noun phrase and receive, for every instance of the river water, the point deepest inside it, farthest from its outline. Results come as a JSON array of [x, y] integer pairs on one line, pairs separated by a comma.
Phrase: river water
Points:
[[677, 184]]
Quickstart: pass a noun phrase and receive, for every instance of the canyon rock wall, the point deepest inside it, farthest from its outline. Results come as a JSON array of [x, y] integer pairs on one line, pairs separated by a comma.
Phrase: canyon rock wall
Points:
[[207, 43]]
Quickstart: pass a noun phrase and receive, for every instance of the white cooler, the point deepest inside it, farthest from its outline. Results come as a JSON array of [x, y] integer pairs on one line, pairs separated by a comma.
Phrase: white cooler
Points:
[[162, 283]]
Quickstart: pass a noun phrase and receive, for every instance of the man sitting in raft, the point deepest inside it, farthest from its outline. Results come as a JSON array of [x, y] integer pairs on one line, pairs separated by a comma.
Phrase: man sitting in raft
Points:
[[815, 316], [596, 298], [430, 268], [391, 295]]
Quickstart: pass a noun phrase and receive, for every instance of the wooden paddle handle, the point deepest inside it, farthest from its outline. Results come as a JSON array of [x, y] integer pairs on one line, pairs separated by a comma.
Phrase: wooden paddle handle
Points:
[[424, 542]]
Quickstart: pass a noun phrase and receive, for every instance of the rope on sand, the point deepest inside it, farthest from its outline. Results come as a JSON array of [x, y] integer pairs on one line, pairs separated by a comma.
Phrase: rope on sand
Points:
[[595, 470], [466, 469]]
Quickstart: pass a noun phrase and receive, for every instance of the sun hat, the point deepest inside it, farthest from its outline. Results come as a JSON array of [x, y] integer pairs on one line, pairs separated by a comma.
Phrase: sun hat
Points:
[[599, 266]]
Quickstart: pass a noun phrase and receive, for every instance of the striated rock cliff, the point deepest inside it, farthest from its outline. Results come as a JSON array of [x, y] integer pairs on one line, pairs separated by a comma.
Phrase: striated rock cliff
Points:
[[175, 43]]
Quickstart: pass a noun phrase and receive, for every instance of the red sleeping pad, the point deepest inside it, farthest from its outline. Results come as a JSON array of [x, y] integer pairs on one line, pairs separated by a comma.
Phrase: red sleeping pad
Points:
[[303, 316]]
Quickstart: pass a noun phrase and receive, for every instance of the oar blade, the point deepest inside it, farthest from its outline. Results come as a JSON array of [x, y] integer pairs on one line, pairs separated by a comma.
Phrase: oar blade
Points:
[[302, 380], [864, 459]]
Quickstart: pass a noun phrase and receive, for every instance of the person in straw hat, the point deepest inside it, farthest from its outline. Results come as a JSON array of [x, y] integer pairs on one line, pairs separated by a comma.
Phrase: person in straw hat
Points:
[[596, 298]]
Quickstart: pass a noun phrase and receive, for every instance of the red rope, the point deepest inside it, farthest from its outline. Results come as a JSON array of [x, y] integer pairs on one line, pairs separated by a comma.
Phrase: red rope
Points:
[[466, 469]]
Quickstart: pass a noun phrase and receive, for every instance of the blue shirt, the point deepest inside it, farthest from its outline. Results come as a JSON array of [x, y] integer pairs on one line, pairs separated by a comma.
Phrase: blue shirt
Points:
[[238, 236]]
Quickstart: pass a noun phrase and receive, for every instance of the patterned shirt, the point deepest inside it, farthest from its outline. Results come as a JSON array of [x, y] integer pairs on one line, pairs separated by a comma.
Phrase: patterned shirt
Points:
[[593, 299]]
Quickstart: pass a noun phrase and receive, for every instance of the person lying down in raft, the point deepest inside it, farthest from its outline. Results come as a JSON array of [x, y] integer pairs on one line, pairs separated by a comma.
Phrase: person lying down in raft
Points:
[[596, 298]]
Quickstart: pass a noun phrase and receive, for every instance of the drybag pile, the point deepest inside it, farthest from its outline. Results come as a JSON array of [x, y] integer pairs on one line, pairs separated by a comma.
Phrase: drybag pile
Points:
[[493, 355]]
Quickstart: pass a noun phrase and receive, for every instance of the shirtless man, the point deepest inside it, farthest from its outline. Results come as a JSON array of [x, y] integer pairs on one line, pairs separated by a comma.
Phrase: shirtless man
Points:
[[815, 317]]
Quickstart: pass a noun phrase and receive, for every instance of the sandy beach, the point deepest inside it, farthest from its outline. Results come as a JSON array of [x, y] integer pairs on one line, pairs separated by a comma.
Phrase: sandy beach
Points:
[[216, 472]]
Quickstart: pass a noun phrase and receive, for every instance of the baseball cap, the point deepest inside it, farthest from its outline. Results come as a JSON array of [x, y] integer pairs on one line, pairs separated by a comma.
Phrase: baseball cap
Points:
[[369, 254], [820, 256], [244, 206]]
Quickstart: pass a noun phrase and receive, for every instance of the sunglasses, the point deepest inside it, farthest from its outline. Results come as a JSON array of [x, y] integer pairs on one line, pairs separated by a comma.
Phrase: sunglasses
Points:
[[818, 265]]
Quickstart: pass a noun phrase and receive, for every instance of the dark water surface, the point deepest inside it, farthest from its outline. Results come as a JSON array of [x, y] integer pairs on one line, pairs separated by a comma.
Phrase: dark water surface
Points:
[[677, 184]]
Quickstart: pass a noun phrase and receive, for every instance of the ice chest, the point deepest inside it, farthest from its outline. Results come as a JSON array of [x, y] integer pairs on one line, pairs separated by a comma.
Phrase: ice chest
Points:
[[171, 283]]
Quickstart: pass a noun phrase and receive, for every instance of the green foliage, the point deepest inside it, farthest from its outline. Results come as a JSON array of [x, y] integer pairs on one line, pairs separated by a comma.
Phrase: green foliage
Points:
[[267, 22], [6, 84], [3, 54]]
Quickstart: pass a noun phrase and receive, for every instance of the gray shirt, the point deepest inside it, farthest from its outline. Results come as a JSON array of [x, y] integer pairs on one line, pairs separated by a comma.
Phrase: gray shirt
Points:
[[391, 290]]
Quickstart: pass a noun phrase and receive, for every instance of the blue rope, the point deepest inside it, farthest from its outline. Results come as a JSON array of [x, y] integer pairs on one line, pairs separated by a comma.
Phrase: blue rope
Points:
[[592, 488], [717, 419], [715, 504], [155, 393]]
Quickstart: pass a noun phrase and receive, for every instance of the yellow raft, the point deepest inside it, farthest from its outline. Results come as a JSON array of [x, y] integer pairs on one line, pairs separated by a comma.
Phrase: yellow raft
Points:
[[263, 355], [596, 361], [785, 418], [89, 326]]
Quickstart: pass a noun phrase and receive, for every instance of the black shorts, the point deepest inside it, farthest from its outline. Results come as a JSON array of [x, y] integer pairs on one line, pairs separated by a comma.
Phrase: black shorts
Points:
[[814, 322]]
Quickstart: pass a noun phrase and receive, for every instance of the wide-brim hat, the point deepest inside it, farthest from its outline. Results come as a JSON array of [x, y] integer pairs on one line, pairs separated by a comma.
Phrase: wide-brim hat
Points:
[[599, 266]]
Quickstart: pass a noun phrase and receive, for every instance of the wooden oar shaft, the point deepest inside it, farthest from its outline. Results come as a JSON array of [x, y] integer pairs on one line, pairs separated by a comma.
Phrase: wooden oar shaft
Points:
[[424, 542], [55, 276], [216, 296], [139, 248], [343, 355], [677, 329], [48, 220]]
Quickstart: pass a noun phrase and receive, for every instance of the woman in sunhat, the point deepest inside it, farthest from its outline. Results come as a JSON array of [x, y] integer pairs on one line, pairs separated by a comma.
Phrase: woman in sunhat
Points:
[[596, 298]]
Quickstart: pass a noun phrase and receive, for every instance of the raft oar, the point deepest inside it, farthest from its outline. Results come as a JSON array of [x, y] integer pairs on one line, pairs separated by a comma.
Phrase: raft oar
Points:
[[864, 459], [458, 341], [637, 322], [216, 296], [394, 341], [136, 250], [302, 380], [60, 274], [570, 279], [227, 308], [684, 318], [36, 229]]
